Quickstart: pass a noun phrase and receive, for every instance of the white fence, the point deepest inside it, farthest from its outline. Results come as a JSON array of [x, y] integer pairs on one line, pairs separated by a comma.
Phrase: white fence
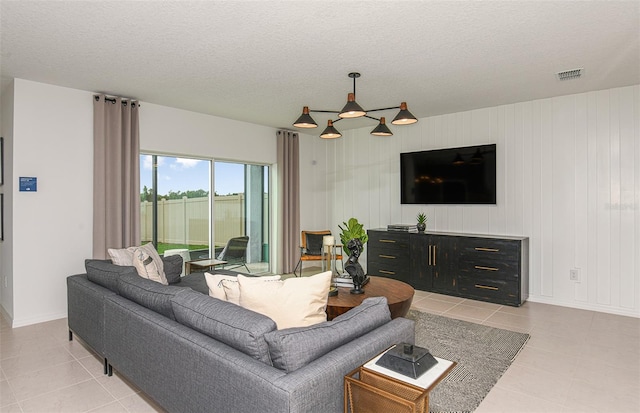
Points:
[[186, 220]]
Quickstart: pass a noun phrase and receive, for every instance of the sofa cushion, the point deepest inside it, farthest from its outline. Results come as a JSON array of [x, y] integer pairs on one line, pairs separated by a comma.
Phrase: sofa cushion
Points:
[[121, 256], [149, 294], [148, 266], [173, 268], [233, 325], [225, 287], [294, 302], [293, 348], [106, 274]]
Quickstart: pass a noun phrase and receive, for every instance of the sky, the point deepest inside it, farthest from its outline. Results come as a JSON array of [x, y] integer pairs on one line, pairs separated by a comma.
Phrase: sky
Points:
[[182, 174]]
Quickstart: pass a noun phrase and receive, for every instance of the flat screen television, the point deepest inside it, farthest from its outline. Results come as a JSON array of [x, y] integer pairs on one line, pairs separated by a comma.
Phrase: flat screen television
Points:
[[459, 176]]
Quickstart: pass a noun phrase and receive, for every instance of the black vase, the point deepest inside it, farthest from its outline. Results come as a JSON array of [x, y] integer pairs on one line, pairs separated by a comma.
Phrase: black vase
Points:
[[421, 227]]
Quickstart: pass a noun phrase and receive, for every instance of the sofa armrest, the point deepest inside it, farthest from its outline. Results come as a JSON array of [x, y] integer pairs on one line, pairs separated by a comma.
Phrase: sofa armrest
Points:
[[319, 386]]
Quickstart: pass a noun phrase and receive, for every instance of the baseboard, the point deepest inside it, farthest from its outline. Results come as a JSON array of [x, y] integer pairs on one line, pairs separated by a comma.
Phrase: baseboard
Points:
[[35, 320], [586, 306]]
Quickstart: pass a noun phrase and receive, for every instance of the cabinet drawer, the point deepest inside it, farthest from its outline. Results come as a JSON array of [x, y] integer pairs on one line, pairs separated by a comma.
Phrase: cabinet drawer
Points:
[[497, 291], [388, 241], [381, 270], [389, 256], [489, 249], [505, 270]]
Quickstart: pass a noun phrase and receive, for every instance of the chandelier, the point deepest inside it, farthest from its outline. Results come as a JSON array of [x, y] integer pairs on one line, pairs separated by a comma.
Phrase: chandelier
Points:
[[353, 110]]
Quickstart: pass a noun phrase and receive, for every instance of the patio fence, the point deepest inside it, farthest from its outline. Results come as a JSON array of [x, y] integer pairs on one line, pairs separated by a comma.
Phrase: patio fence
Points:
[[186, 220]]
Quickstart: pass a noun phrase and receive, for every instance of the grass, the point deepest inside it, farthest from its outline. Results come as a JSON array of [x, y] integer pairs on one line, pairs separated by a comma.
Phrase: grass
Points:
[[162, 247]]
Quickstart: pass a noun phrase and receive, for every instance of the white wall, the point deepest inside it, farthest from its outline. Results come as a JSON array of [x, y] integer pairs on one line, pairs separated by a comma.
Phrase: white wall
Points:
[[53, 141], [6, 250], [52, 130], [568, 178]]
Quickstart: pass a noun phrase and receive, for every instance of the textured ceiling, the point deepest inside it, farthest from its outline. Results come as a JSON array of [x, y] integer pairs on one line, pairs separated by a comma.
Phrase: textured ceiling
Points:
[[261, 61]]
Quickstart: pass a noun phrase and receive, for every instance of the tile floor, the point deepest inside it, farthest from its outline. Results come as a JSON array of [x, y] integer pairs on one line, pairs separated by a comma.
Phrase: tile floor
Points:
[[575, 361]]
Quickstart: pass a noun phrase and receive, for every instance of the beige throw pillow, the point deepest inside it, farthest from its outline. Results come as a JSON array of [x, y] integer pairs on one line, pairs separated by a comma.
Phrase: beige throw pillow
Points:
[[147, 266], [123, 256], [294, 302], [225, 287]]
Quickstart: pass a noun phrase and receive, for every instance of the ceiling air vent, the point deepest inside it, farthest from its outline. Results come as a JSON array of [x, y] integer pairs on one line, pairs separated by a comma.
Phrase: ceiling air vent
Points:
[[570, 74]]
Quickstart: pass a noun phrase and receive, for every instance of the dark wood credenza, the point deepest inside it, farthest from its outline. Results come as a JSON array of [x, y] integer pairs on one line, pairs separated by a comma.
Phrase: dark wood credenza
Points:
[[482, 267]]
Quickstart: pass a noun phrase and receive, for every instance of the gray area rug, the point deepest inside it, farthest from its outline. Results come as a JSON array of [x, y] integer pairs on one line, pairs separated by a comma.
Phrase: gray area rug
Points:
[[483, 354]]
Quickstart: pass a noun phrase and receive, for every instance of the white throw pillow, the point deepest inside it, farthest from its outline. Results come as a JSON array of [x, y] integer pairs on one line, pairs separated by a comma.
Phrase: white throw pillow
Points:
[[148, 266], [294, 302], [225, 287], [123, 256]]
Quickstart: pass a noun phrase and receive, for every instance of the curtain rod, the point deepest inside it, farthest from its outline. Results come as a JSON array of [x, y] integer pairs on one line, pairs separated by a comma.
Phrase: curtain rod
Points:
[[113, 100]]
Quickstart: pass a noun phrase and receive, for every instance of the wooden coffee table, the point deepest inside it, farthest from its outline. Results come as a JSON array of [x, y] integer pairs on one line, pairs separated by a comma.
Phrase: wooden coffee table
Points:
[[399, 296]]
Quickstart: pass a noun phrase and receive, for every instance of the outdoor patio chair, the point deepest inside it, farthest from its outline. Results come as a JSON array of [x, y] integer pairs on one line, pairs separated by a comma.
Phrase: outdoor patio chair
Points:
[[235, 253]]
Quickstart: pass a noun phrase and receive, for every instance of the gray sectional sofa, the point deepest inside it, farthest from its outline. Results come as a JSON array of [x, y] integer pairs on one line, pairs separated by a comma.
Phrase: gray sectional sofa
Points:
[[194, 353]]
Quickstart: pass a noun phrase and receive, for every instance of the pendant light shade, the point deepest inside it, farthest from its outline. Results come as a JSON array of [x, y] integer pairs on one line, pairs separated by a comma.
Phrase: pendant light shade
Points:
[[352, 109], [305, 120], [381, 129], [330, 132], [404, 117]]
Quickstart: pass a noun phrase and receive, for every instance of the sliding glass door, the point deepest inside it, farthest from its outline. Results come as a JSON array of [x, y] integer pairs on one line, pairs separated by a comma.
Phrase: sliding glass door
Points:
[[175, 204], [241, 209], [176, 209]]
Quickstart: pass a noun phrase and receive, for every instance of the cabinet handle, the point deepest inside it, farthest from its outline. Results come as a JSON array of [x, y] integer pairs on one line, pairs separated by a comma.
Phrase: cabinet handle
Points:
[[387, 256], [429, 253], [486, 287], [487, 249], [388, 240], [479, 267], [387, 272], [434, 255]]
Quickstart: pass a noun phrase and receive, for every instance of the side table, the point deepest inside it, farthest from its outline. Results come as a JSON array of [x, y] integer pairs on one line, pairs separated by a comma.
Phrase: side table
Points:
[[371, 388]]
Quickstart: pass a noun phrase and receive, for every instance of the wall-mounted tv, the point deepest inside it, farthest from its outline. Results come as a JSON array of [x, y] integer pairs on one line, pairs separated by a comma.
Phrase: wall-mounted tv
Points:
[[459, 176]]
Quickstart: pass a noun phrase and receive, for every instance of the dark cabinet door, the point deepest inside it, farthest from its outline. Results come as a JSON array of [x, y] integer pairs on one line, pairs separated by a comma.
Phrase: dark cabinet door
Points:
[[433, 263], [442, 250]]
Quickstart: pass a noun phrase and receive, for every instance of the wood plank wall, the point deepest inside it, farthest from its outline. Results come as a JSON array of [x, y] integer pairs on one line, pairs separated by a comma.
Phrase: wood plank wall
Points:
[[568, 177]]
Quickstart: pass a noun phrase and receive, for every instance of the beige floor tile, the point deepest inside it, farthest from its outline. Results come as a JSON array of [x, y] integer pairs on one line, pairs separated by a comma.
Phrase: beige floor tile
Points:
[[511, 320], [35, 360], [118, 386], [78, 398], [446, 298], [469, 312], [432, 305], [501, 400], [603, 397], [94, 365], [482, 304], [115, 407], [7, 396], [536, 383], [519, 329], [12, 408], [140, 403], [570, 346], [555, 363], [29, 385]]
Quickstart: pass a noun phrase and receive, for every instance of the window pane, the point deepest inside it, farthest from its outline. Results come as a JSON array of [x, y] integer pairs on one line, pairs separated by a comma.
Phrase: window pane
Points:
[[182, 210]]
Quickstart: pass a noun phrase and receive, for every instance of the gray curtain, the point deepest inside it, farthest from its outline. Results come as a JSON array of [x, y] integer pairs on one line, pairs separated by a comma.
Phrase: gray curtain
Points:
[[116, 174], [289, 184]]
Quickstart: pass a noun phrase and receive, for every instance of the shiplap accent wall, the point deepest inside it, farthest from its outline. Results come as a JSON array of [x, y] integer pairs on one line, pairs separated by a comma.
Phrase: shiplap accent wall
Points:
[[568, 178]]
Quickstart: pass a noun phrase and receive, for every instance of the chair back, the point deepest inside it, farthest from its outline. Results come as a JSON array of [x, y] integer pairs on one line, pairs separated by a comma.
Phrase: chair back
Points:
[[236, 249], [312, 241]]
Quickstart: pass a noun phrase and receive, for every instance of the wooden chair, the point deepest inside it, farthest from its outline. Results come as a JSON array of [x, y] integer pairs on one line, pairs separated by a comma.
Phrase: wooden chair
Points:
[[311, 248]]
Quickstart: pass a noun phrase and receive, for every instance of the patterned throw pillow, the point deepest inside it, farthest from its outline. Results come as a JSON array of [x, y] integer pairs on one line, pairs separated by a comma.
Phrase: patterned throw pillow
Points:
[[225, 287], [148, 267]]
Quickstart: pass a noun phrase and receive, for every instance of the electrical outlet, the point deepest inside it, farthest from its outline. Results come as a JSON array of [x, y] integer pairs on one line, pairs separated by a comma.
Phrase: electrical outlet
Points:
[[574, 274]]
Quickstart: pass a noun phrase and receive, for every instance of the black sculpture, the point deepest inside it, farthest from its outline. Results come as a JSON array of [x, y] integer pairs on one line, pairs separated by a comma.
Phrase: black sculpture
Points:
[[353, 267]]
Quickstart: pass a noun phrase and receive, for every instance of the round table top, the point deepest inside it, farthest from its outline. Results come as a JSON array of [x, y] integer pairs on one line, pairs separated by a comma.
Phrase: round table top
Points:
[[399, 296]]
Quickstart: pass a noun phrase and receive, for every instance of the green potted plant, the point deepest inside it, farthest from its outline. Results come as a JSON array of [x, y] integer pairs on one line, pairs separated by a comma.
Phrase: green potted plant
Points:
[[422, 222], [352, 229]]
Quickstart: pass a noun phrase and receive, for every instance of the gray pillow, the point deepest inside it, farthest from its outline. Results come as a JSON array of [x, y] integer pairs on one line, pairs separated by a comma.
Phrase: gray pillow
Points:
[[293, 348], [150, 294], [231, 324], [172, 268], [106, 274]]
